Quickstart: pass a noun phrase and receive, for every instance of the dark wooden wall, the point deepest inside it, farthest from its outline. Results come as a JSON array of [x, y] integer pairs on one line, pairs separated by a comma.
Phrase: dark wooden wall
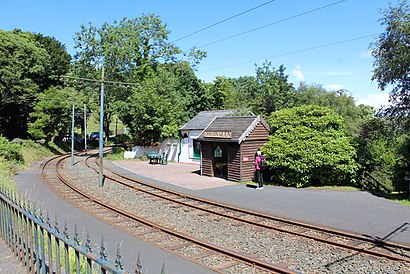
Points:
[[255, 140], [234, 162], [207, 168]]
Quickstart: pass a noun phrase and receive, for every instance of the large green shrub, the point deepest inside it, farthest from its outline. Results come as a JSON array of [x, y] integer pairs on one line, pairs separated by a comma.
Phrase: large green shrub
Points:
[[308, 146], [10, 151]]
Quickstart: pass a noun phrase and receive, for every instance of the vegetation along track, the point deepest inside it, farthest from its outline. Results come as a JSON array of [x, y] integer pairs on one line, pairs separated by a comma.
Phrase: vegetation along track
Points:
[[300, 247]]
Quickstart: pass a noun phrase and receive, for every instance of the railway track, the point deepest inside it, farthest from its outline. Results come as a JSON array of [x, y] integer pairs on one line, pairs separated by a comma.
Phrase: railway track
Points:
[[217, 258], [352, 244]]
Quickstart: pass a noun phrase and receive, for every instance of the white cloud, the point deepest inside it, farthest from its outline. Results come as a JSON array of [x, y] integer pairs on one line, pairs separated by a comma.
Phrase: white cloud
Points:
[[365, 54], [333, 73], [341, 73], [375, 100], [297, 72], [335, 87]]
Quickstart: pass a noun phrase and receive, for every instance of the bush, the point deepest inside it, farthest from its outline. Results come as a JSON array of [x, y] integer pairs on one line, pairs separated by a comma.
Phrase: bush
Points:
[[6, 175], [308, 146], [10, 151], [117, 153], [121, 138]]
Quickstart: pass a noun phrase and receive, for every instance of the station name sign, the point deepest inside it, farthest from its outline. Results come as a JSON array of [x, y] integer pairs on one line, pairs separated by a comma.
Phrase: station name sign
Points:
[[218, 134]]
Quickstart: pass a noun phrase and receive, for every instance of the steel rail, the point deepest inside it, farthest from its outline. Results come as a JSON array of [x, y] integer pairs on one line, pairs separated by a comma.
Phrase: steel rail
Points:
[[251, 261], [376, 242]]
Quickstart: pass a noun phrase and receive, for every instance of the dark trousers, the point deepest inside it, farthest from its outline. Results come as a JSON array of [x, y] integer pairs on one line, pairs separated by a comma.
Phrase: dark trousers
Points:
[[259, 177]]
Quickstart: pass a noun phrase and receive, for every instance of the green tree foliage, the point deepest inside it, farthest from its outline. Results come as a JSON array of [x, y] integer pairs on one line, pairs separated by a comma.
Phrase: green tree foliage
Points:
[[155, 109], [28, 63], [10, 151], [383, 153], [340, 101], [52, 114], [59, 61], [268, 91], [275, 92], [391, 54], [130, 51], [308, 146], [22, 63]]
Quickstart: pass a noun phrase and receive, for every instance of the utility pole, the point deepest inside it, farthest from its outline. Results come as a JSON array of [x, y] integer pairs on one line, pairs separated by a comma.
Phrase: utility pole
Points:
[[85, 127], [72, 137], [101, 139]]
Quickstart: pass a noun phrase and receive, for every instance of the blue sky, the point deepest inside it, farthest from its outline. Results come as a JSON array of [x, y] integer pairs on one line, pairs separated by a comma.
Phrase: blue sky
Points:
[[294, 28]]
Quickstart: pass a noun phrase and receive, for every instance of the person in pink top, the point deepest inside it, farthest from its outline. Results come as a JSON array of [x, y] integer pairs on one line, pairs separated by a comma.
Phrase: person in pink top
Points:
[[258, 169]]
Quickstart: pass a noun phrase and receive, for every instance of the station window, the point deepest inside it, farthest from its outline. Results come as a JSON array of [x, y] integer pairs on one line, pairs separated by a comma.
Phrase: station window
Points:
[[197, 149]]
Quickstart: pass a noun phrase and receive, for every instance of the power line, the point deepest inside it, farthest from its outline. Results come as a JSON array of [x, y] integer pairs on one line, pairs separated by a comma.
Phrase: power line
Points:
[[222, 21], [296, 51], [98, 80], [273, 23]]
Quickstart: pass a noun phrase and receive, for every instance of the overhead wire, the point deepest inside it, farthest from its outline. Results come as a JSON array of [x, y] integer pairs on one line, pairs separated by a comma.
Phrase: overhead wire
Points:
[[222, 21], [295, 51], [273, 23], [99, 80]]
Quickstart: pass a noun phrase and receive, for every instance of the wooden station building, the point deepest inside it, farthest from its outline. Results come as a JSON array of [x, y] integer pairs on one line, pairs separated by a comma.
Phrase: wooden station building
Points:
[[229, 144]]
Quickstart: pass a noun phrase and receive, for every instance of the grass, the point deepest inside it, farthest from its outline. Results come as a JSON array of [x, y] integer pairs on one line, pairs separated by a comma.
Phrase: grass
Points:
[[334, 188], [6, 175], [32, 152], [401, 198], [116, 154], [93, 125]]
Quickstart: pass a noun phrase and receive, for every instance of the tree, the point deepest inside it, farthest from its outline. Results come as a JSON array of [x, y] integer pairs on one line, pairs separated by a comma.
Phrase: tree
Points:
[[383, 153], [29, 64], [308, 146], [130, 50], [391, 54], [52, 114], [59, 61], [267, 92], [23, 62], [340, 101], [155, 109], [275, 92]]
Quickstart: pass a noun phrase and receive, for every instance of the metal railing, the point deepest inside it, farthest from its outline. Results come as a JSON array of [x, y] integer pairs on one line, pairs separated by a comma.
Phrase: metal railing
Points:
[[41, 247], [371, 183]]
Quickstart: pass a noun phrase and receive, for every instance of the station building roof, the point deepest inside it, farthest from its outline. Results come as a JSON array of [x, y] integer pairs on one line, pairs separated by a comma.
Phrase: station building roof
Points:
[[203, 118], [231, 128]]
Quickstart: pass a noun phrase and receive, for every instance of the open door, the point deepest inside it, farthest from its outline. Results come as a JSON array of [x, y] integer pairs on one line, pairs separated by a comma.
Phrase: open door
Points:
[[220, 160]]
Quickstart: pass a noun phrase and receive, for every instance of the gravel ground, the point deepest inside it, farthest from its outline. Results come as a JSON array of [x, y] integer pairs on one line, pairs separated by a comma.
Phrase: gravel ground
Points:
[[9, 264], [299, 254]]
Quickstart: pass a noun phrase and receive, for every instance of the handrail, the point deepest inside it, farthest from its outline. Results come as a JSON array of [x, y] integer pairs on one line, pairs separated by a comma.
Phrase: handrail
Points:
[[39, 245], [375, 183]]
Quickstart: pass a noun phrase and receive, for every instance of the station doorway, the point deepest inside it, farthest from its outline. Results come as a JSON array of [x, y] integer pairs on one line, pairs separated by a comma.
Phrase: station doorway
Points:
[[220, 160]]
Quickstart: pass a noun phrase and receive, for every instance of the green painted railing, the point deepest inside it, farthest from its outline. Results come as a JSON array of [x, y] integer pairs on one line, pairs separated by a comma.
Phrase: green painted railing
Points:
[[41, 247]]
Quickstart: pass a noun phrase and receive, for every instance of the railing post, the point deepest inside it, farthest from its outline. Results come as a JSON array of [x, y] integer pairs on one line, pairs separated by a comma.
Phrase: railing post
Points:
[[66, 249], [42, 244], [20, 234], [57, 244], [49, 244], [103, 256], [138, 266], [36, 248], [77, 253], [2, 218], [118, 262], [88, 249]]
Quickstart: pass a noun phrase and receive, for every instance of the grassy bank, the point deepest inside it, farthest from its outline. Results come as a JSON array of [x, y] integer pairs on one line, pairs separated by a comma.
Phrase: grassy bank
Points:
[[21, 154]]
